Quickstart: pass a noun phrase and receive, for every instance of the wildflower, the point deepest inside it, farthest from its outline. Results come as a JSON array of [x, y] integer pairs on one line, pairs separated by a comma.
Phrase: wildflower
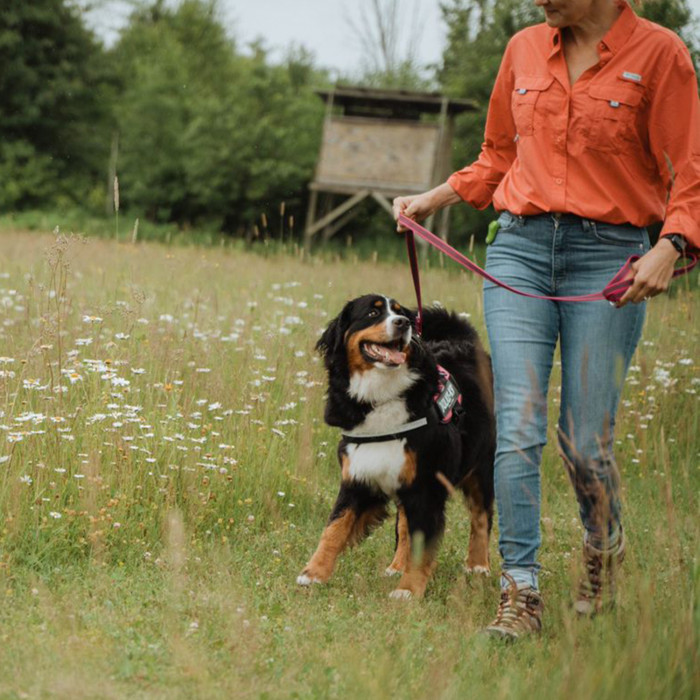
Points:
[[56, 516], [92, 319], [26, 479]]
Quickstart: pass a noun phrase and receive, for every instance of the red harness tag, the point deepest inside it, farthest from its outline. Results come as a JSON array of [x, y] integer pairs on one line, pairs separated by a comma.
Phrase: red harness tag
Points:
[[448, 395]]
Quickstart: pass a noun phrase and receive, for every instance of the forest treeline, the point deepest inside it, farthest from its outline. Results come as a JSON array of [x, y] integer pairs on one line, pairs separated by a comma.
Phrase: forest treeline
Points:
[[198, 129]]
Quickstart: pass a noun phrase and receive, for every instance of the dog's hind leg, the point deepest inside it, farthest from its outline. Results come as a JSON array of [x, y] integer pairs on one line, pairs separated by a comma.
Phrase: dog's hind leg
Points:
[[356, 513], [481, 517], [403, 544]]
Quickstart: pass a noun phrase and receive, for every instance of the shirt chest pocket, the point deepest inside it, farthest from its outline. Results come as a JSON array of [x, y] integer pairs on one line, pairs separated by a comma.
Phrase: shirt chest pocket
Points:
[[527, 94], [614, 113]]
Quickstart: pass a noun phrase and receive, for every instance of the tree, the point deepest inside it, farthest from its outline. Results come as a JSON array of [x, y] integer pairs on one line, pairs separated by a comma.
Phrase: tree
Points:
[[207, 134], [54, 105], [387, 62]]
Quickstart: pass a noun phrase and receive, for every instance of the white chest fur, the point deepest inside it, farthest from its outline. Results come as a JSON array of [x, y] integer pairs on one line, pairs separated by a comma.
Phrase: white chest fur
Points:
[[381, 383], [378, 464]]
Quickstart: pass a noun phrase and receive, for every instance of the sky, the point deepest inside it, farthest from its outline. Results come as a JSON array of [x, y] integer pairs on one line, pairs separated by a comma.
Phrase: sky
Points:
[[325, 27]]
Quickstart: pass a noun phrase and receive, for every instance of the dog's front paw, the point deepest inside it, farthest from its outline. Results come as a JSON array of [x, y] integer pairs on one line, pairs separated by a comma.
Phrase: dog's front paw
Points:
[[304, 579], [480, 570], [401, 594], [391, 571]]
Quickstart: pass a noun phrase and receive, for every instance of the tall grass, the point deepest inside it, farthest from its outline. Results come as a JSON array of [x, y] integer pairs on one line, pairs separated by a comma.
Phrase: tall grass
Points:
[[165, 473]]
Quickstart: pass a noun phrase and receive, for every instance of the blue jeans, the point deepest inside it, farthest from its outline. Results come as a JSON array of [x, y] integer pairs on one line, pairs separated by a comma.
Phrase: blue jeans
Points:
[[554, 254]]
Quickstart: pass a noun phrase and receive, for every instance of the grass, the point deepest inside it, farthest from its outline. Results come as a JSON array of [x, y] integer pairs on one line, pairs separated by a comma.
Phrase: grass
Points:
[[165, 474]]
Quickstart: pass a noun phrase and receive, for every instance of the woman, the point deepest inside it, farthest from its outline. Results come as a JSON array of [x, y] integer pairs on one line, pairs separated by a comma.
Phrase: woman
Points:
[[592, 122]]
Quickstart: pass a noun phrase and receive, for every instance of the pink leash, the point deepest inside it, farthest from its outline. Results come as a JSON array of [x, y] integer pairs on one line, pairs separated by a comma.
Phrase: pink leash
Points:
[[612, 292]]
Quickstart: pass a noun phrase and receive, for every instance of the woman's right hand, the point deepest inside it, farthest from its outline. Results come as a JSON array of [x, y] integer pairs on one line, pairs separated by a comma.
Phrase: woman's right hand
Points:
[[420, 206]]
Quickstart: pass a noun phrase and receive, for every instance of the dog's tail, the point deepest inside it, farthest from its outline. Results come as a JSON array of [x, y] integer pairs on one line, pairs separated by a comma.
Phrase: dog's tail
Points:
[[440, 324]]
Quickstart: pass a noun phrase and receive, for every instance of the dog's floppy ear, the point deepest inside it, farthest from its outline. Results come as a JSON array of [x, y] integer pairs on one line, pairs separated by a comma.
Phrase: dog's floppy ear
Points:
[[332, 339]]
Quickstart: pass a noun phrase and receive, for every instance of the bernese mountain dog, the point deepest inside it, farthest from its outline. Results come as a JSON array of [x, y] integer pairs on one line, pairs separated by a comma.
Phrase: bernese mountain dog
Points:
[[416, 415]]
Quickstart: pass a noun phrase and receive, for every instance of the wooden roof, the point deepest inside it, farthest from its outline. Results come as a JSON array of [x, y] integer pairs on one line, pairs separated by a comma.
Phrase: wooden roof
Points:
[[397, 104]]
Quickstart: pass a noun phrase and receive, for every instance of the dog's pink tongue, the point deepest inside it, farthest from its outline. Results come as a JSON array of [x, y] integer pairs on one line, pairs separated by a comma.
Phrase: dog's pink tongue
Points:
[[396, 357], [389, 356]]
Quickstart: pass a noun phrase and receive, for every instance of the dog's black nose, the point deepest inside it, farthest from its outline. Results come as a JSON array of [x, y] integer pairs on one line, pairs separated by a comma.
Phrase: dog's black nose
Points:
[[401, 322]]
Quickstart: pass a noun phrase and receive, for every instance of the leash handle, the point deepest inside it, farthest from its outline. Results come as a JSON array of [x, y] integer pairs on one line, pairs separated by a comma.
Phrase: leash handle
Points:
[[612, 292]]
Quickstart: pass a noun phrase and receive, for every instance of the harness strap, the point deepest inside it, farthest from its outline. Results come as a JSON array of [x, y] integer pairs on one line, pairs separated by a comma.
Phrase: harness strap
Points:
[[397, 434]]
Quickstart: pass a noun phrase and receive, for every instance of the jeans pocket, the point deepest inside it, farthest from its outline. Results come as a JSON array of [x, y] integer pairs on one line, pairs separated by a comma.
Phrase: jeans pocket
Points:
[[506, 221], [626, 236]]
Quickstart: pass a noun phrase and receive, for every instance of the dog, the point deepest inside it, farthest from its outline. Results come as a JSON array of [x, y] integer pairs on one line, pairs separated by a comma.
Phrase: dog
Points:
[[416, 415]]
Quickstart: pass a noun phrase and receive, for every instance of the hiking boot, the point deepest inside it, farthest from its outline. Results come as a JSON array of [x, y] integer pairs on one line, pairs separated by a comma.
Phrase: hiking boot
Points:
[[519, 613], [596, 591]]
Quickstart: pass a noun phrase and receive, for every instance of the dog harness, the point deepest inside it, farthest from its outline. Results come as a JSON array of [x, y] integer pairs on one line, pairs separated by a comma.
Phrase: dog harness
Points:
[[445, 409]]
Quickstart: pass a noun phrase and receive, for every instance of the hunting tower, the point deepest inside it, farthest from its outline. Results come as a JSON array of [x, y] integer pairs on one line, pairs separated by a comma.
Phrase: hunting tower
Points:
[[379, 144]]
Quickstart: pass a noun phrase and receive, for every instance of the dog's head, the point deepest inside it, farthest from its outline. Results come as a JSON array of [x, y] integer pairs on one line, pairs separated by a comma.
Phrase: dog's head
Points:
[[372, 332]]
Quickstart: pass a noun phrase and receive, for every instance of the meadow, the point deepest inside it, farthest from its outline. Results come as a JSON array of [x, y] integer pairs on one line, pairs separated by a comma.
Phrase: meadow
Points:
[[165, 474]]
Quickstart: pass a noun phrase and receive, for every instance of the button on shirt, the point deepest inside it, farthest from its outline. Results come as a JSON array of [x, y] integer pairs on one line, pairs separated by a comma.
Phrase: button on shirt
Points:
[[622, 145]]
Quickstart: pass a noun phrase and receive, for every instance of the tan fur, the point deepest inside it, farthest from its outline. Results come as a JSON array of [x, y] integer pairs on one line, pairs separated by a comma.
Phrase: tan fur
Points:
[[410, 469], [478, 554], [345, 530], [417, 574], [373, 334], [403, 543], [345, 468]]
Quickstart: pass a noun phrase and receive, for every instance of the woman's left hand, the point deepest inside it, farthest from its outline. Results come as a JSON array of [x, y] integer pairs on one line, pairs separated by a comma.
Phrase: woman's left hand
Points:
[[652, 273]]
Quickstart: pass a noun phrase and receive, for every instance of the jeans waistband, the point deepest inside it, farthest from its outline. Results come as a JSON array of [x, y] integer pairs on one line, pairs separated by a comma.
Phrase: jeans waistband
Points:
[[570, 219]]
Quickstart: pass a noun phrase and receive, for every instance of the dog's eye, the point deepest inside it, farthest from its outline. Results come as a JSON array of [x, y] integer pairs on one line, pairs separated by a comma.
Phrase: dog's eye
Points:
[[373, 313]]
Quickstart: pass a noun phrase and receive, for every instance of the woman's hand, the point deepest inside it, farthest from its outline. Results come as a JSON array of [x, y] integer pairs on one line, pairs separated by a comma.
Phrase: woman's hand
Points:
[[652, 273], [420, 206]]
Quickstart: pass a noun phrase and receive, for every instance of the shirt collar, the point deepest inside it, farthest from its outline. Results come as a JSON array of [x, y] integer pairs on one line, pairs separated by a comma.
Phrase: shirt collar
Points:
[[621, 30], [616, 36]]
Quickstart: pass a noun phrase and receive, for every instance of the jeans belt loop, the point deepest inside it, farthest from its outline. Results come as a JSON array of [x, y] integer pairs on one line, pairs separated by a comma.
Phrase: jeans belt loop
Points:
[[587, 224]]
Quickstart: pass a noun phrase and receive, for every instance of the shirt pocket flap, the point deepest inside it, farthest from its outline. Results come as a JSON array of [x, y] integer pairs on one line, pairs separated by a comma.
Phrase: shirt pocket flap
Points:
[[531, 83], [617, 94]]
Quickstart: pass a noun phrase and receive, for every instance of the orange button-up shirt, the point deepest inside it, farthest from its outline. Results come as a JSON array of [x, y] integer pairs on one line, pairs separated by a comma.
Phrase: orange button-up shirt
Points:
[[622, 145]]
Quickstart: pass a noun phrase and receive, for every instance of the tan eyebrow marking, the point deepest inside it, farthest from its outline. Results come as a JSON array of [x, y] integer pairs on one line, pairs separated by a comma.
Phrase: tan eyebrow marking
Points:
[[395, 306], [379, 303]]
